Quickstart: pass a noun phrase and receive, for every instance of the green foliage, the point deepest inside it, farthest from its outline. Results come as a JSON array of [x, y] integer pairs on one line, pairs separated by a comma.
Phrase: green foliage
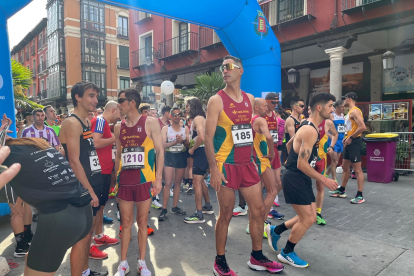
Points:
[[206, 86], [21, 75], [402, 151]]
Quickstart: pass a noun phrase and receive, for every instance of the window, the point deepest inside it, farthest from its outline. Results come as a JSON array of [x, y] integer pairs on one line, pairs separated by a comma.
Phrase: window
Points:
[[27, 52], [42, 85], [40, 43], [183, 36], [56, 81], [93, 48], [41, 64], [22, 56], [145, 92], [34, 89], [96, 75], [123, 57], [122, 26], [54, 16], [123, 83], [93, 16], [290, 9]]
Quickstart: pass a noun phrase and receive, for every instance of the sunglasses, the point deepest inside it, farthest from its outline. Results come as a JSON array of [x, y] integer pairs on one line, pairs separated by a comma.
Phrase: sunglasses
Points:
[[343, 98], [100, 113], [301, 105], [121, 100], [228, 66], [273, 102], [176, 115]]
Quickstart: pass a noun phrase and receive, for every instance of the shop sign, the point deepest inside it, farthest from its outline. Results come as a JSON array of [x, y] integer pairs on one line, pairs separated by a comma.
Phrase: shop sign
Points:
[[388, 111], [401, 78]]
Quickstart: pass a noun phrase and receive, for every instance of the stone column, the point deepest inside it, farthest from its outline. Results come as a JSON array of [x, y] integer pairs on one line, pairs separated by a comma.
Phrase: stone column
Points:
[[304, 83], [336, 55], [376, 78], [170, 99]]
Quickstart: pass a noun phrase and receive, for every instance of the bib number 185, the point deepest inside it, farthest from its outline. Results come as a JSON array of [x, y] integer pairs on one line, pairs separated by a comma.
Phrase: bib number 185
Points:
[[242, 135]]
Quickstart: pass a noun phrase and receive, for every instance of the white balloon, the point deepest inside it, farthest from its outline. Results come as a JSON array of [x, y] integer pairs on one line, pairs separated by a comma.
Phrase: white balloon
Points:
[[167, 87]]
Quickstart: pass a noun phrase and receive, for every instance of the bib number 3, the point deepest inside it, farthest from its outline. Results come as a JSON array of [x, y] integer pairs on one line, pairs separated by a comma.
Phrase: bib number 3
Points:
[[133, 158], [94, 162], [242, 135]]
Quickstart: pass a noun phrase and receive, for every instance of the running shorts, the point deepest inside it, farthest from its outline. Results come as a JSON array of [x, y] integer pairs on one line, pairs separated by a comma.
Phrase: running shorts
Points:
[[136, 193], [262, 167], [98, 192], [297, 188], [276, 164], [200, 163], [279, 147], [339, 146], [175, 160], [7, 195], [106, 186], [352, 151], [239, 176], [55, 234], [320, 166]]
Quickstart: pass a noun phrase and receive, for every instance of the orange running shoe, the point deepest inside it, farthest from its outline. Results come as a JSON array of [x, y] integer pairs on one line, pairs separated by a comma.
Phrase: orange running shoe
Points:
[[105, 240], [150, 231], [95, 253]]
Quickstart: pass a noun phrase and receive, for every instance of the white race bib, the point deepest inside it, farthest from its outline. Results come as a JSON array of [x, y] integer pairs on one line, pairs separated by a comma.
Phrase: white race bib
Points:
[[133, 158], [113, 152], [242, 135], [275, 135], [341, 128], [94, 162]]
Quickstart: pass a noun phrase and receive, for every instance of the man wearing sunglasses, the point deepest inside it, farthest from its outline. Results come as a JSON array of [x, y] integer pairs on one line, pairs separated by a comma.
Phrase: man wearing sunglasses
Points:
[[293, 121], [228, 146], [354, 124]]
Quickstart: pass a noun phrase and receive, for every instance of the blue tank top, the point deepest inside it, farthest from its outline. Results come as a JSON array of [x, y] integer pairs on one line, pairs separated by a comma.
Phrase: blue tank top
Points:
[[339, 121]]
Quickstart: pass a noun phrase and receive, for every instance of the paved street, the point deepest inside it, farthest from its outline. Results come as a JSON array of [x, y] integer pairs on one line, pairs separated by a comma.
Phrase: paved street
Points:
[[373, 238]]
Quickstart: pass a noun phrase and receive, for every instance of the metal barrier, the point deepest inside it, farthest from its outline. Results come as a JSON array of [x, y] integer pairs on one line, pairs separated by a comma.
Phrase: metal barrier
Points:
[[404, 160]]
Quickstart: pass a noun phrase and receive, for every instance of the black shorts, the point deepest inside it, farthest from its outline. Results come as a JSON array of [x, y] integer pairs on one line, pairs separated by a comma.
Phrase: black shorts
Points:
[[200, 164], [7, 195], [175, 160], [106, 186], [352, 151], [55, 234], [297, 188], [98, 192], [279, 147]]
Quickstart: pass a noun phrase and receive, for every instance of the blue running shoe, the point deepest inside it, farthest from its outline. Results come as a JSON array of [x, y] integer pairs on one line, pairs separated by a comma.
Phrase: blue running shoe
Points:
[[292, 259], [272, 237], [275, 215], [107, 220]]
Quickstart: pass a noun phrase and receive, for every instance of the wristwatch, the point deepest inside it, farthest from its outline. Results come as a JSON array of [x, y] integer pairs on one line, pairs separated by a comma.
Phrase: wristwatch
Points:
[[351, 137], [331, 147]]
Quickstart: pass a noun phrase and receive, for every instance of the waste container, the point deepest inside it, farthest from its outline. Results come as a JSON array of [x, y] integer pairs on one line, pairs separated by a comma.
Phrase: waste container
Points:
[[381, 151]]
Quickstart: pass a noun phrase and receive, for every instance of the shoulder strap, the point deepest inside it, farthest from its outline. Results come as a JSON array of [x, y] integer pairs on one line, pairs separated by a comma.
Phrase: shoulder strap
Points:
[[73, 115]]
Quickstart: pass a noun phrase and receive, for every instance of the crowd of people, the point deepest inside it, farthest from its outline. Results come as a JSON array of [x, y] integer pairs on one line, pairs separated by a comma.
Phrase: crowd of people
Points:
[[65, 171]]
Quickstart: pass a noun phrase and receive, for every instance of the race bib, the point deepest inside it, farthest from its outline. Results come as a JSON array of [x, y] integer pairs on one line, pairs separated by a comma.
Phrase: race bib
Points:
[[313, 162], [176, 148], [275, 135], [94, 162], [341, 128], [133, 158], [242, 135], [113, 153]]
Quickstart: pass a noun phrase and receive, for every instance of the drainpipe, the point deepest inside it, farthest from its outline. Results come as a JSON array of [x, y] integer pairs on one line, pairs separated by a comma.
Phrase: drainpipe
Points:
[[335, 18]]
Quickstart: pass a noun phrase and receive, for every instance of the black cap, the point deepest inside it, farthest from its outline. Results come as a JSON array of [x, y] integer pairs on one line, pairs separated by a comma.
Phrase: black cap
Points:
[[272, 96], [351, 95]]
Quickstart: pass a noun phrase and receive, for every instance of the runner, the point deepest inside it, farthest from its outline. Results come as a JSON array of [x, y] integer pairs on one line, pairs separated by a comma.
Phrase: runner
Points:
[[28, 121], [293, 121], [165, 116], [339, 121], [228, 145], [200, 164], [50, 121], [175, 140], [354, 123], [144, 109], [77, 140], [281, 144], [153, 113], [296, 181], [136, 139], [188, 173], [104, 140]]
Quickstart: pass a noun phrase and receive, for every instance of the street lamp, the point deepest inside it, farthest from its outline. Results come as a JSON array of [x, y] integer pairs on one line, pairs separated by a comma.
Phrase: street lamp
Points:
[[388, 57], [292, 73]]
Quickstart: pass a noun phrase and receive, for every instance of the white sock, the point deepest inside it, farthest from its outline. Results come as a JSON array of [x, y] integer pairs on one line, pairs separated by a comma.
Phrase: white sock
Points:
[[100, 236], [124, 264], [86, 272]]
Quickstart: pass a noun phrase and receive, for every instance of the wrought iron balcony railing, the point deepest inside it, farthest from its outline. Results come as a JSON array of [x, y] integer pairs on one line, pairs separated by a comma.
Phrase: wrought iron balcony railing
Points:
[[41, 67], [208, 38], [185, 43], [352, 6], [143, 56]]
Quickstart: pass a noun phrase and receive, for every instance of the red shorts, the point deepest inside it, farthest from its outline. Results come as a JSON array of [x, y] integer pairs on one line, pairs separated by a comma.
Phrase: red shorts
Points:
[[320, 166], [276, 162], [135, 193], [239, 176]]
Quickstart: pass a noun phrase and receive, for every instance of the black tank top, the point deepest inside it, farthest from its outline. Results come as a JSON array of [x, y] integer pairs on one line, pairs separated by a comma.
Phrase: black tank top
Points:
[[194, 134], [297, 125], [87, 149], [292, 160]]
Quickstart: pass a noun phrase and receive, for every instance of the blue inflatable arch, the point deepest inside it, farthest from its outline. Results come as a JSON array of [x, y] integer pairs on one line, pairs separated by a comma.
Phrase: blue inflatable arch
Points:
[[240, 24]]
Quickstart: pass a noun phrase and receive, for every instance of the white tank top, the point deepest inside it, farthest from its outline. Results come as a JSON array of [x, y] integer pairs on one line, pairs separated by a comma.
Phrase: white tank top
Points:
[[172, 136]]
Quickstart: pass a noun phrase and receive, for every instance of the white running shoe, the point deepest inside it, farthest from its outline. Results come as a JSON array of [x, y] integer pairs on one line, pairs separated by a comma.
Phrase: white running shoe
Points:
[[142, 268], [156, 205], [123, 269], [239, 211], [171, 192], [276, 201], [118, 216]]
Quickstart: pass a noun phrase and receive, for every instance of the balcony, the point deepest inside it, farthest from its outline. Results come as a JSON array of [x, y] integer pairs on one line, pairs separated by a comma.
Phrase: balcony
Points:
[[93, 26], [42, 68], [27, 55], [141, 17], [208, 38], [122, 33], [143, 56], [33, 73], [290, 12], [33, 50], [41, 43], [269, 9], [43, 94], [353, 6], [122, 63], [187, 43]]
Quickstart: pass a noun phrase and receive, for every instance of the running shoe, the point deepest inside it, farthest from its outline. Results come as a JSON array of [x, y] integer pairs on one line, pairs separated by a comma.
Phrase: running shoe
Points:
[[35, 217], [353, 175], [122, 270], [186, 186], [177, 210], [107, 220], [292, 259], [163, 215], [95, 253], [223, 270], [111, 193], [190, 191], [96, 273], [266, 223], [150, 231], [156, 205], [194, 219], [171, 192], [105, 240], [208, 210], [337, 193], [21, 252], [142, 268], [240, 211], [275, 215], [357, 200], [248, 228], [320, 220], [276, 201], [265, 265], [118, 215], [272, 237], [120, 231]]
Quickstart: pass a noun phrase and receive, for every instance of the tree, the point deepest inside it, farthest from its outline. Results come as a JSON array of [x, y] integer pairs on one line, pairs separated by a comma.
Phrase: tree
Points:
[[207, 85], [22, 79]]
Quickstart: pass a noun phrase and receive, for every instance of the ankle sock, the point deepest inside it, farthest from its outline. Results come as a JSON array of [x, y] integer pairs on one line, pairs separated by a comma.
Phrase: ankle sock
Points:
[[318, 210], [359, 194], [200, 213], [190, 181], [20, 241], [258, 255], [86, 272], [208, 205], [290, 247], [341, 189], [280, 229], [221, 260]]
